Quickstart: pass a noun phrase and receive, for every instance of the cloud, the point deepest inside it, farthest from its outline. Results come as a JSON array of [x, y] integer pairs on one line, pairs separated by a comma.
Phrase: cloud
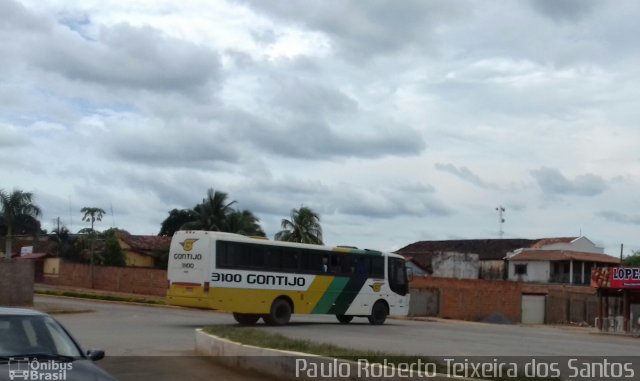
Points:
[[619, 217], [295, 116], [463, 173], [120, 56], [12, 137], [360, 31], [390, 202], [185, 145], [131, 57], [553, 182], [564, 9], [18, 17]]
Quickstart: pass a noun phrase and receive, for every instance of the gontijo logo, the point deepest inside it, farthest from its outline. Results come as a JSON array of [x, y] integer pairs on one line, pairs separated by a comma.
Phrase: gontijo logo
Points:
[[187, 244], [376, 286]]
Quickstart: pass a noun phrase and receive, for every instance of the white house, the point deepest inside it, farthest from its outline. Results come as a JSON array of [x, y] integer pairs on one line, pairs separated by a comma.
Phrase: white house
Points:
[[558, 260]]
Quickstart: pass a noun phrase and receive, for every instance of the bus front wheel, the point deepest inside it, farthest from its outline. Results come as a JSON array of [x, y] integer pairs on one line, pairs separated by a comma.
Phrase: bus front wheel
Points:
[[246, 319], [344, 319], [379, 313], [280, 313]]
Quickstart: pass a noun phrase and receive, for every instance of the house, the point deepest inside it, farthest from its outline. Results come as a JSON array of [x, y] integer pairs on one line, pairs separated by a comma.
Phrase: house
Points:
[[141, 250], [468, 258], [567, 260]]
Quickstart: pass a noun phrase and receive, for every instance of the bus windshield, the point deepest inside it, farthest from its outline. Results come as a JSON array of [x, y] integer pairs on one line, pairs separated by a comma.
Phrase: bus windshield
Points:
[[398, 276]]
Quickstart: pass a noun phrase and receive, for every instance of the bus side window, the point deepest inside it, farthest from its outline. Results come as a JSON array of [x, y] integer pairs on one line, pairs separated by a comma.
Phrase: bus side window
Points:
[[325, 268], [311, 261], [258, 253], [221, 254], [234, 255], [363, 265], [348, 264], [289, 259], [377, 267], [336, 261]]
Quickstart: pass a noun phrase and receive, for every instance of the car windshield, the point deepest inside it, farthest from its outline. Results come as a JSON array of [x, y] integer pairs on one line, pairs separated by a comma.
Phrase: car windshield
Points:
[[34, 335]]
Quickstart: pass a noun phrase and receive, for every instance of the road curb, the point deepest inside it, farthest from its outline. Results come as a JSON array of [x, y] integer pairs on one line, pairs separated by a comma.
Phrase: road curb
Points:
[[287, 365]]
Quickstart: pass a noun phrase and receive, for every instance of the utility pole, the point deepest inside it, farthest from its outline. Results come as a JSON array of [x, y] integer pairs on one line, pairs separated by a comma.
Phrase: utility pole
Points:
[[501, 210]]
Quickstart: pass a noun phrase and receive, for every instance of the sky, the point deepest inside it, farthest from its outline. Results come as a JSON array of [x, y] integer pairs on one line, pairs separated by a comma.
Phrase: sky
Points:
[[396, 121]]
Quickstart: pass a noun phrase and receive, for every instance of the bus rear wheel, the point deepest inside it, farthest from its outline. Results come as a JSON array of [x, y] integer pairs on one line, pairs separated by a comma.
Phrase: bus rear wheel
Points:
[[280, 313], [246, 319], [379, 313], [344, 319]]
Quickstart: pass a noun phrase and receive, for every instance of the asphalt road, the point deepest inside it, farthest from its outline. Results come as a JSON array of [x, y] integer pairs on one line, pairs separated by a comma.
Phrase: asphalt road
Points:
[[143, 342], [135, 335]]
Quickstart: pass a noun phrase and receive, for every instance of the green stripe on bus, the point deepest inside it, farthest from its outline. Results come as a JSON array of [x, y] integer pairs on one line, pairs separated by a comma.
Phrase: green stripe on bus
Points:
[[329, 297], [348, 294]]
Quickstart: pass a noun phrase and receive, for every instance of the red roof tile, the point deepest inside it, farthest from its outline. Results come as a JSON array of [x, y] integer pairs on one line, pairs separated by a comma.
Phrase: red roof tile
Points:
[[550, 241], [144, 242], [563, 255]]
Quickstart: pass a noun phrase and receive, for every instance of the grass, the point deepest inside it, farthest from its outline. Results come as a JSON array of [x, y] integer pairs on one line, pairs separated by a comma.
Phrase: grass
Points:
[[89, 295], [260, 338]]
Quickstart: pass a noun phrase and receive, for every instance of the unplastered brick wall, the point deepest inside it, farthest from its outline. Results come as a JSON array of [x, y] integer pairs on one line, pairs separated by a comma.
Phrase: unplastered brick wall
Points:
[[474, 299], [134, 280], [16, 282]]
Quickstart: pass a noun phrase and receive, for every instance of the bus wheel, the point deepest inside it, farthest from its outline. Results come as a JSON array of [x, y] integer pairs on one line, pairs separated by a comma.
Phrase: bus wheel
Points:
[[246, 319], [378, 313], [345, 319], [280, 313]]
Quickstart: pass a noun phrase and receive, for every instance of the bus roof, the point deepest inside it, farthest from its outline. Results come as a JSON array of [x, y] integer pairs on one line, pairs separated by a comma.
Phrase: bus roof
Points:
[[263, 241]]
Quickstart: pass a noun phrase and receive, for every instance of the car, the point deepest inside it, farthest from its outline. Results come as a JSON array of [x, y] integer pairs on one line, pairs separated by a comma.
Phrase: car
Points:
[[34, 346]]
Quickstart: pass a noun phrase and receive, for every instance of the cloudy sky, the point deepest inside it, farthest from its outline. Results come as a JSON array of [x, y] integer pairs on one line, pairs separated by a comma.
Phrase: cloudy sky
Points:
[[396, 121]]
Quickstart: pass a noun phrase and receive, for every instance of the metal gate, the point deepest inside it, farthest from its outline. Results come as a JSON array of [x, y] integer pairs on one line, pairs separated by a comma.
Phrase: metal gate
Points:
[[533, 309], [424, 302]]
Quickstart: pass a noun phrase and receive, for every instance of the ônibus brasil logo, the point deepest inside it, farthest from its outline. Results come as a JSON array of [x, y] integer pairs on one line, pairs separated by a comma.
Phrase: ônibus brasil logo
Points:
[[187, 244], [21, 368]]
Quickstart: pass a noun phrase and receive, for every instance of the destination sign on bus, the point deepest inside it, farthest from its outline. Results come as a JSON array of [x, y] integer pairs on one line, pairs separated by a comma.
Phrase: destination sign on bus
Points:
[[257, 280]]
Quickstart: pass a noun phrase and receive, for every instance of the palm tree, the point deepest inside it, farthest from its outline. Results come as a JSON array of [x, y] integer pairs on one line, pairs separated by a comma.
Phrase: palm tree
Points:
[[61, 235], [212, 212], [16, 206], [304, 227], [177, 218], [245, 223], [92, 214]]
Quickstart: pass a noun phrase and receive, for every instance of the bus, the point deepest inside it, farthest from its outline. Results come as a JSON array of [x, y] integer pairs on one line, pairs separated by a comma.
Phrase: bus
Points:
[[256, 278]]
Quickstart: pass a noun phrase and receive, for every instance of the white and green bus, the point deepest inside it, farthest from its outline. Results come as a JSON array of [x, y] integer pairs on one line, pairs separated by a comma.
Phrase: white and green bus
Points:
[[257, 278]]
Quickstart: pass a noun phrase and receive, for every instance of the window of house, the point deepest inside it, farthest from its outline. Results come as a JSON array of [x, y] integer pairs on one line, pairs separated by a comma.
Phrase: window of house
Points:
[[521, 269]]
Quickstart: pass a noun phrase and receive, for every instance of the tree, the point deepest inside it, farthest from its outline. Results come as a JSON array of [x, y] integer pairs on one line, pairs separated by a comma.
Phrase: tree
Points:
[[112, 254], [177, 218], [92, 214], [61, 236], [17, 207], [244, 222], [212, 212], [632, 260], [304, 227]]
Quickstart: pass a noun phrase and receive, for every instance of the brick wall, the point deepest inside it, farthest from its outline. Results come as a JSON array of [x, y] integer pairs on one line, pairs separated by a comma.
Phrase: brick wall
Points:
[[474, 299], [142, 281], [16, 282]]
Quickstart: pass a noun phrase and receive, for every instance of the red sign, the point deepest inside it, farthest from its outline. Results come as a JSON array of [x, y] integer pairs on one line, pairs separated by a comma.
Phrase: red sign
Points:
[[625, 277], [616, 277]]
